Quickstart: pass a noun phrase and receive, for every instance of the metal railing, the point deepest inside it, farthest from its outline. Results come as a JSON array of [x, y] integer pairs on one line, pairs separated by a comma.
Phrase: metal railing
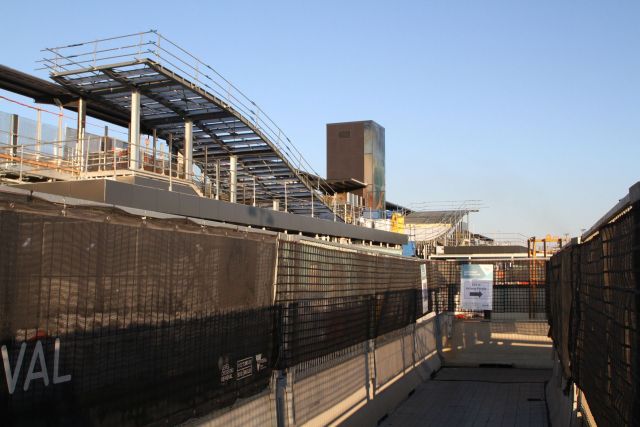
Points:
[[30, 150], [35, 159], [152, 45], [107, 157]]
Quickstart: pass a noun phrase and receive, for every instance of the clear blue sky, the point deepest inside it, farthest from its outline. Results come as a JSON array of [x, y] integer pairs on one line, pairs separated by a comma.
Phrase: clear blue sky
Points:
[[531, 106]]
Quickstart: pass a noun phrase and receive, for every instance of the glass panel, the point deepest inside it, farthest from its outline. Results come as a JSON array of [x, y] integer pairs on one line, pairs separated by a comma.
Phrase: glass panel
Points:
[[5, 127], [27, 129]]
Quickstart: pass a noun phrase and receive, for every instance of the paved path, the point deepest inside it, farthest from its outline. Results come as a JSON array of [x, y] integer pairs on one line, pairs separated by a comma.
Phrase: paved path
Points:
[[476, 397], [523, 344]]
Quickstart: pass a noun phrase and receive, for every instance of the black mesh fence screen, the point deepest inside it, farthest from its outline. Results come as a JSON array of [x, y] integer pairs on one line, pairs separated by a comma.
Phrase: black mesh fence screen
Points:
[[108, 318], [334, 297], [111, 319], [519, 286], [594, 309], [115, 319]]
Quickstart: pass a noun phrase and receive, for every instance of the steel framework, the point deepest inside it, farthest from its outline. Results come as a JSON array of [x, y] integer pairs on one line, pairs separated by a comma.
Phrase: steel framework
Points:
[[181, 95]]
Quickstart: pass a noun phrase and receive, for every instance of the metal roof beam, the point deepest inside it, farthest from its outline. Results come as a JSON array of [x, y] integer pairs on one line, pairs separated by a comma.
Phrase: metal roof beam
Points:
[[192, 117]]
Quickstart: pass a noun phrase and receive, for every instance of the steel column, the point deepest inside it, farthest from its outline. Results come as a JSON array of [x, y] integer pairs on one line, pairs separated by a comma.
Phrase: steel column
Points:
[[188, 149], [80, 130], [134, 130], [59, 151], [155, 147], [206, 170], [38, 134], [233, 175], [170, 143], [218, 179]]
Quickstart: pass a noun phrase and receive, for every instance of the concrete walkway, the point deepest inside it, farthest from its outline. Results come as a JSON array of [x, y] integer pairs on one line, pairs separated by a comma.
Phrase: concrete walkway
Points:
[[476, 397], [520, 344]]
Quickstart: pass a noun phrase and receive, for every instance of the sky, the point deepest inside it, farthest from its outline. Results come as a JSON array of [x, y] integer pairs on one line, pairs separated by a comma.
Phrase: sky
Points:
[[532, 107]]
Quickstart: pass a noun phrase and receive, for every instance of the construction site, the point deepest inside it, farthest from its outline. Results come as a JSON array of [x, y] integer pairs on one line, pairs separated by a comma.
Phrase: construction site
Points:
[[169, 257]]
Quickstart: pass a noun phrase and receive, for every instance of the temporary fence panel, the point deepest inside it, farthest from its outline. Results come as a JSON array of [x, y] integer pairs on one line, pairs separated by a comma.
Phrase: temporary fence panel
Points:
[[393, 354], [313, 271], [329, 387], [594, 314], [334, 297], [112, 319], [425, 339], [519, 286], [118, 319]]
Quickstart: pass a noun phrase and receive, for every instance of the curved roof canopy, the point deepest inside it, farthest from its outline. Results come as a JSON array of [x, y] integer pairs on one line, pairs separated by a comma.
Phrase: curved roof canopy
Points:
[[175, 86]]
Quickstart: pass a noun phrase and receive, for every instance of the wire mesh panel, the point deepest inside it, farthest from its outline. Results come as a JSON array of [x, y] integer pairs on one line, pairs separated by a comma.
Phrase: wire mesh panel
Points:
[[607, 334], [334, 297], [328, 388], [519, 286], [312, 271], [594, 318], [314, 328], [562, 270], [111, 319], [393, 310]]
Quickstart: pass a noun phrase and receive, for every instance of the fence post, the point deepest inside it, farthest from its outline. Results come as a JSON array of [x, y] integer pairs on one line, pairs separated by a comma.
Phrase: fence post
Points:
[[451, 298], [281, 403], [367, 374], [280, 366], [372, 332], [438, 331]]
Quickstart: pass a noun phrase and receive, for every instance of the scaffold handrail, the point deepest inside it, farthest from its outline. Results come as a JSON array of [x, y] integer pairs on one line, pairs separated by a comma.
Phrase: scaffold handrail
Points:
[[151, 45]]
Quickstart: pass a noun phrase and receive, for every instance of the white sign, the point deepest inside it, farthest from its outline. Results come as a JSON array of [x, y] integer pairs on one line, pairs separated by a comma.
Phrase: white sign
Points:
[[244, 368], [476, 287], [37, 358], [425, 291]]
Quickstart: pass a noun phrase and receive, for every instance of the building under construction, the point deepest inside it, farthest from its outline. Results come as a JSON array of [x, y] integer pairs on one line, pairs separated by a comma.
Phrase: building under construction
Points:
[[170, 257]]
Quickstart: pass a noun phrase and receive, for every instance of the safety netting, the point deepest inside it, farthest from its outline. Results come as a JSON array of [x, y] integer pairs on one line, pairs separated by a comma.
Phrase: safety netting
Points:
[[115, 319], [334, 297], [594, 313], [518, 286]]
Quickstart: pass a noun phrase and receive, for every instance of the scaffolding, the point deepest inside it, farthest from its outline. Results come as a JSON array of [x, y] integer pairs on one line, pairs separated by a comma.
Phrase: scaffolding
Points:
[[205, 131]]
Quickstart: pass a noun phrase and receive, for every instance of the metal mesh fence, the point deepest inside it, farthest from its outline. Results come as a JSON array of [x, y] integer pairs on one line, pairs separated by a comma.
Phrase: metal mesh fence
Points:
[[594, 318], [111, 319], [519, 286], [334, 297], [136, 320]]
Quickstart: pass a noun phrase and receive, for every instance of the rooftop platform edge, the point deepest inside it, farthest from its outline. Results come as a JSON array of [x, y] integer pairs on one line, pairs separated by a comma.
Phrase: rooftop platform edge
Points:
[[143, 198]]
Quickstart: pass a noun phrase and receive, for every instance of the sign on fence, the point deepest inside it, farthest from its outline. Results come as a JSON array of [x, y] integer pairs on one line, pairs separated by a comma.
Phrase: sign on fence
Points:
[[425, 291], [476, 287]]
